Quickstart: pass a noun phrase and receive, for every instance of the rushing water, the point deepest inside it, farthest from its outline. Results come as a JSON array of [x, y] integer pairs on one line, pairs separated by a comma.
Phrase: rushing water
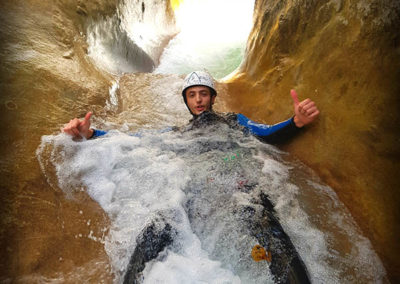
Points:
[[201, 181]]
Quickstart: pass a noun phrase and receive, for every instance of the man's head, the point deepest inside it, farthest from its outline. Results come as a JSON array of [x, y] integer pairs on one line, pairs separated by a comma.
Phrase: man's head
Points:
[[198, 92]]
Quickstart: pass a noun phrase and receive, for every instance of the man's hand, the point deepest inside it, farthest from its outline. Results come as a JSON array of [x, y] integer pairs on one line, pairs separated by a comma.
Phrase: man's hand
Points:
[[79, 128], [305, 111]]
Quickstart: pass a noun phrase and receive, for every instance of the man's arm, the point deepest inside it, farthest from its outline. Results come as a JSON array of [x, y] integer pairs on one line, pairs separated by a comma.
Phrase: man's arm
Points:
[[81, 128], [305, 113], [272, 134]]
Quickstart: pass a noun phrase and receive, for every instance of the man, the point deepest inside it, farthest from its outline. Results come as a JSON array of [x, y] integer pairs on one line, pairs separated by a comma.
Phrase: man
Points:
[[199, 95]]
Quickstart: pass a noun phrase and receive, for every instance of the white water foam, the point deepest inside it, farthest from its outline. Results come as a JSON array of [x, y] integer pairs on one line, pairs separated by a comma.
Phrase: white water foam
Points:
[[134, 183], [112, 102], [195, 180]]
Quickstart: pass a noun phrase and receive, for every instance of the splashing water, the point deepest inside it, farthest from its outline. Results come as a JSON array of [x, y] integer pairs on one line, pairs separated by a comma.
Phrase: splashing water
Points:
[[185, 179]]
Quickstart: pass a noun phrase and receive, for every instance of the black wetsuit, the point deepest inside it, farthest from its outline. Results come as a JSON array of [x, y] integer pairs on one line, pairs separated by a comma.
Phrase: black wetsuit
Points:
[[272, 134]]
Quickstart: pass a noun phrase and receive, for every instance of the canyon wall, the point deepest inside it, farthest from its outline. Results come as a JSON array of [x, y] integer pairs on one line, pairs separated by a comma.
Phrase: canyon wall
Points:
[[46, 78]]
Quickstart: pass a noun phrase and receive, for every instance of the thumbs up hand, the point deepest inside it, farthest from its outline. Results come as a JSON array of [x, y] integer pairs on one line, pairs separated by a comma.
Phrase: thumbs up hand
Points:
[[305, 111], [79, 128]]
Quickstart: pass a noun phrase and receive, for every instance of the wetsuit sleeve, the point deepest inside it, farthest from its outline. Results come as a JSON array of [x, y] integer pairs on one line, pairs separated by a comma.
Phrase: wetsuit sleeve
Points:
[[272, 134], [98, 133]]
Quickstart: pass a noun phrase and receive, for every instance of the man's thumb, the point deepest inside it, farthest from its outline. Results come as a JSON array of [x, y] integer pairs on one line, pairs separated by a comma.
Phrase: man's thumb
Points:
[[294, 97], [87, 116]]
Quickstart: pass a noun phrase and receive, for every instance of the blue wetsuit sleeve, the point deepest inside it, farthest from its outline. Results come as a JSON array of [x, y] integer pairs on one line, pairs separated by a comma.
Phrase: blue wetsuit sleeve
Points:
[[261, 129], [273, 134], [98, 133]]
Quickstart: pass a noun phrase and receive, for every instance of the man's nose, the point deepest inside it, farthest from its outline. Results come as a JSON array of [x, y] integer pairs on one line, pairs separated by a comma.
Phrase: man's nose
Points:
[[198, 98]]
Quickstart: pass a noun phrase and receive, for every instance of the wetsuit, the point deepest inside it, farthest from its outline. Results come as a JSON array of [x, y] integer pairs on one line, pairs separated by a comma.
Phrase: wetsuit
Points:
[[272, 134]]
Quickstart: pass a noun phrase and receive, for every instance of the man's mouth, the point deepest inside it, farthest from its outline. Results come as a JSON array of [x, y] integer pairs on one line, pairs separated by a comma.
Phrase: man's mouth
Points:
[[200, 108]]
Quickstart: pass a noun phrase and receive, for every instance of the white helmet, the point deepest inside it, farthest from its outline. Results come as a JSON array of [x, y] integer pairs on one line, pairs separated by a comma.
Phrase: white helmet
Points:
[[198, 78]]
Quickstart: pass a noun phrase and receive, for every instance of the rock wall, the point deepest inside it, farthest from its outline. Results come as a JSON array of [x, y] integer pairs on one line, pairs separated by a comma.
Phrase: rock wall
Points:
[[345, 55], [45, 79]]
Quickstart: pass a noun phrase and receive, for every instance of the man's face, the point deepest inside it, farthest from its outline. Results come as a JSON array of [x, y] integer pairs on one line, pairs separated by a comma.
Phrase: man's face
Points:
[[199, 99]]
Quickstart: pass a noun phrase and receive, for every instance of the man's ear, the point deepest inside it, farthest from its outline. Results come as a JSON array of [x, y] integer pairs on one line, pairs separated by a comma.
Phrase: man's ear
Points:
[[213, 99]]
